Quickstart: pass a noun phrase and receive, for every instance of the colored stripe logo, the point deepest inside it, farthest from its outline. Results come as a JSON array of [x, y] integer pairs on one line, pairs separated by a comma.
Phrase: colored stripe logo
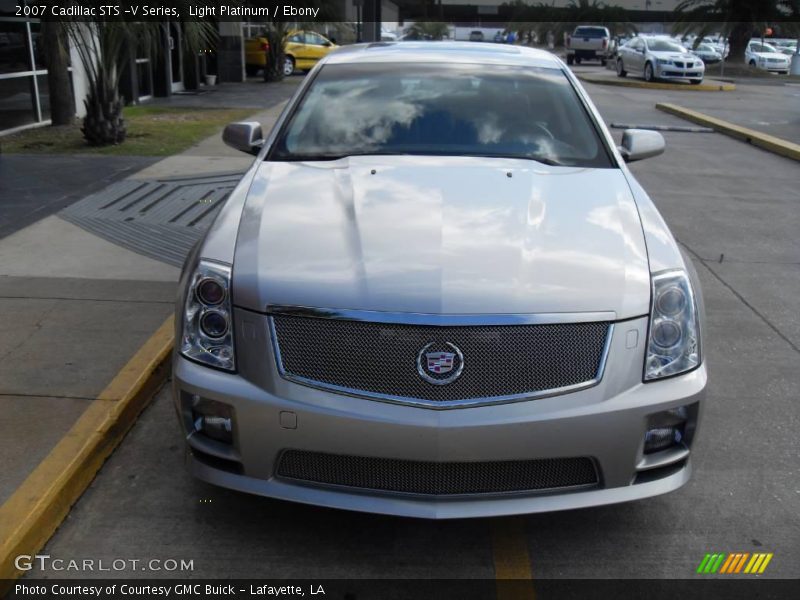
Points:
[[734, 563]]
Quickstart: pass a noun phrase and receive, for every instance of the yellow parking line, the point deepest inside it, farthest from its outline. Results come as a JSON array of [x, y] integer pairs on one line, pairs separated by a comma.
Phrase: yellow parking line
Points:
[[37, 507], [512, 562]]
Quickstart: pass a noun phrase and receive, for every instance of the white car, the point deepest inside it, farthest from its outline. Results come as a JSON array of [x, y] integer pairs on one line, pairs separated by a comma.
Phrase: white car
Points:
[[659, 58], [787, 47], [766, 57], [707, 54]]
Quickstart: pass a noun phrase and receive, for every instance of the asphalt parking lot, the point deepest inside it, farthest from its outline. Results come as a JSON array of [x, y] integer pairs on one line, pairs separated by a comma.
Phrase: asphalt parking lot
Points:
[[736, 210]]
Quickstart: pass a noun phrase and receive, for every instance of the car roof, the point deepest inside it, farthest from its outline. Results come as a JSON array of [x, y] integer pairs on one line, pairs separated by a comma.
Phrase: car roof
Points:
[[443, 52]]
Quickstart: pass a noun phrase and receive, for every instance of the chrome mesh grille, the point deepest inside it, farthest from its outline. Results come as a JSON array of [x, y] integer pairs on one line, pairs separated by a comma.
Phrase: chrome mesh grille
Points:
[[380, 359], [439, 478]]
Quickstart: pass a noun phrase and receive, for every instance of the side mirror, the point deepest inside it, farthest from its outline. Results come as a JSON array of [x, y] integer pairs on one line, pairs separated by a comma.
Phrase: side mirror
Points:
[[245, 136], [638, 144]]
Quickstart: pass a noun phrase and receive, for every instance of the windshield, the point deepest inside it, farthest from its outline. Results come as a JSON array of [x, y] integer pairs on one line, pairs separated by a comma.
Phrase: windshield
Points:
[[441, 109], [762, 48], [590, 32], [664, 46]]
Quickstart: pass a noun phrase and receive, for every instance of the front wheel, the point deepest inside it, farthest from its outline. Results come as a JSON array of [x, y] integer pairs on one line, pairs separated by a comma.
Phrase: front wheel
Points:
[[649, 76], [621, 72], [753, 63], [288, 66], [570, 59], [577, 60]]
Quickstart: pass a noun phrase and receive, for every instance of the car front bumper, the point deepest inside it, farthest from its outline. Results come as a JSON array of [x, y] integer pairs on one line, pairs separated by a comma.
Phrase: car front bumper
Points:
[[606, 423], [774, 67], [673, 72]]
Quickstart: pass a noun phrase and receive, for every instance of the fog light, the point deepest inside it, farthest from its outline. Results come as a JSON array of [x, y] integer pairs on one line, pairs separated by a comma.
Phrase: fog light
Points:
[[214, 420], [661, 438], [665, 430]]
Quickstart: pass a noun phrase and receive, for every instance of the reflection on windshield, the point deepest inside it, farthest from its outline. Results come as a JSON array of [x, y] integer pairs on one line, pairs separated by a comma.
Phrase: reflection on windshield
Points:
[[441, 109], [663, 46]]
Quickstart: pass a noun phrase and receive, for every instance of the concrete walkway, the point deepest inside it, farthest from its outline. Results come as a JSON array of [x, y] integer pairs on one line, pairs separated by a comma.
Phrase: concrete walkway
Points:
[[77, 306]]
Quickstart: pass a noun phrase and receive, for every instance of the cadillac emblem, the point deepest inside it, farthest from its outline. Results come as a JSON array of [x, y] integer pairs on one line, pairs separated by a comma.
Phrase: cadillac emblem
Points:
[[440, 363]]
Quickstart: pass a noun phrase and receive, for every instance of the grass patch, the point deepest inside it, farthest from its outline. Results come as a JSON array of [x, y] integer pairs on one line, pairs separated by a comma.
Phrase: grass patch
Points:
[[152, 131]]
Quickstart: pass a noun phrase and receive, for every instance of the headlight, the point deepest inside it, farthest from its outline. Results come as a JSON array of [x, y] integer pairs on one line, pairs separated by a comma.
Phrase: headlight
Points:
[[207, 317], [663, 61], [673, 344]]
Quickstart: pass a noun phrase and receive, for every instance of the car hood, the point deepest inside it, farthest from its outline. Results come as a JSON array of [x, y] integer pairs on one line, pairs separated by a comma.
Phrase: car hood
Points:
[[672, 55], [770, 55], [441, 235]]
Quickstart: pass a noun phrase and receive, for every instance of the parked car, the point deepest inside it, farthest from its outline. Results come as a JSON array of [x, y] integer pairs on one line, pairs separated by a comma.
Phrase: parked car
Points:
[[476, 36], [440, 296], [766, 57], [588, 42], [255, 55], [707, 54], [658, 58], [303, 49], [787, 47]]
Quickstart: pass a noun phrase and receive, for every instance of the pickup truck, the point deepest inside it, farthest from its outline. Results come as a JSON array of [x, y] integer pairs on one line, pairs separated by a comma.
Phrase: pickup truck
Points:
[[588, 42]]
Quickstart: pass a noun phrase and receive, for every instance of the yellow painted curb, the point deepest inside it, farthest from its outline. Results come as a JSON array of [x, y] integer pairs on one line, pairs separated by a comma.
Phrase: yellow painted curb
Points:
[[632, 83], [751, 136], [35, 510]]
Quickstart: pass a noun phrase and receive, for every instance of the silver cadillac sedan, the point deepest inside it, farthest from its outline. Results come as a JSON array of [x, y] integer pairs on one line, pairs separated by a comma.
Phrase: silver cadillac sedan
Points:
[[439, 292]]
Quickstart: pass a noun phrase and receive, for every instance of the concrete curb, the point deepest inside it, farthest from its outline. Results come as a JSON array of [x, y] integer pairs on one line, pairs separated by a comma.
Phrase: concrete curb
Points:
[[32, 514], [632, 83], [751, 136]]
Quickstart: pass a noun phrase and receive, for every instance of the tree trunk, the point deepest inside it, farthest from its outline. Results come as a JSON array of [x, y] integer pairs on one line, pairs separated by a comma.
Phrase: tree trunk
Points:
[[103, 124], [56, 58], [273, 70], [739, 36]]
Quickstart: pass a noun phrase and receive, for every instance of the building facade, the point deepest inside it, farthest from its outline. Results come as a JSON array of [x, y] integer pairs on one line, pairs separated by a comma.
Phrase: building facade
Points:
[[24, 97]]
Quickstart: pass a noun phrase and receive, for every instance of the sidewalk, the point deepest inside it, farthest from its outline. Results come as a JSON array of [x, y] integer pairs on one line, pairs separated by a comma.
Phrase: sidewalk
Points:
[[77, 305]]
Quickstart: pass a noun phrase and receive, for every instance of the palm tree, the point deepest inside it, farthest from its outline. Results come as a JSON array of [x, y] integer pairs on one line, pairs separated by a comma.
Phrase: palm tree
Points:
[[734, 19], [56, 59], [563, 20], [277, 32], [104, 47]]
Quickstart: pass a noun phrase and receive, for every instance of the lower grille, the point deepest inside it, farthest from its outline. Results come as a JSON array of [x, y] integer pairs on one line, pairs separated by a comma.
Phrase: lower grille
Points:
[[436, 478]]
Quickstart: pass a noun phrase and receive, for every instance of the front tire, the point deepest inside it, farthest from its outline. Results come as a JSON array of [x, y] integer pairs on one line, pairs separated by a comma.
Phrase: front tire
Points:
[[649, 74], [577, 60], [621, 72], [753, 64], [570, 59], [288, 66]]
